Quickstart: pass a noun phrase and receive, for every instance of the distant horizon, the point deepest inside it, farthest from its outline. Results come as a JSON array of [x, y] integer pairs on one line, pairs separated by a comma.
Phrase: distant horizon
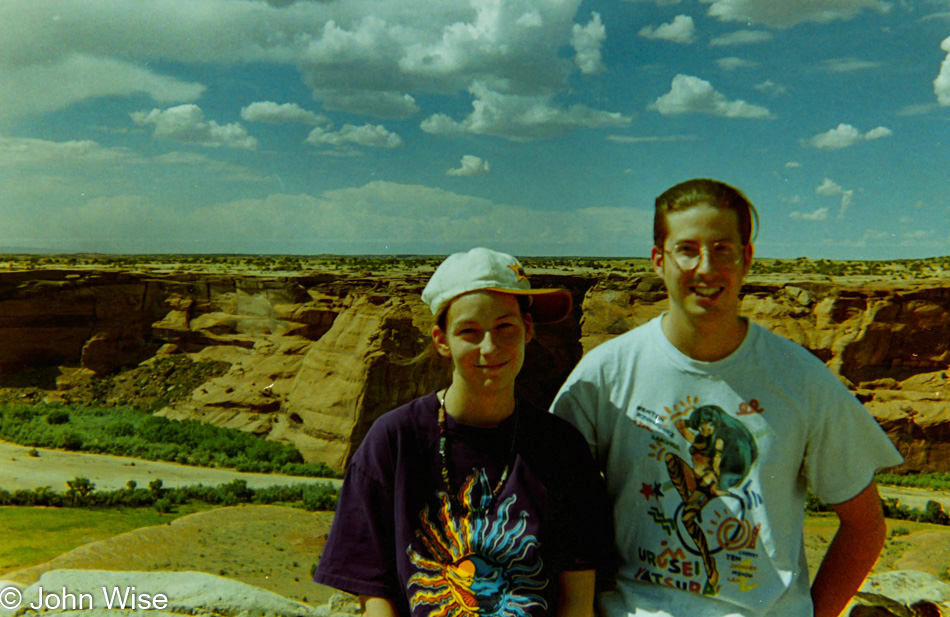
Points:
[[8, 253]]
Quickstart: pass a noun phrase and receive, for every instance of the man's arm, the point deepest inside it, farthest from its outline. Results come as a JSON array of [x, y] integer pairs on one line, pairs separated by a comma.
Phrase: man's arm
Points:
[[852, 552], [576, 595]]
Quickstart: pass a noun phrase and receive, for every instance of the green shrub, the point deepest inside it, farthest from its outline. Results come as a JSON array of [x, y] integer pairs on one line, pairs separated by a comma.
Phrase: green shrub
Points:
[[321, 496], [57, 416]]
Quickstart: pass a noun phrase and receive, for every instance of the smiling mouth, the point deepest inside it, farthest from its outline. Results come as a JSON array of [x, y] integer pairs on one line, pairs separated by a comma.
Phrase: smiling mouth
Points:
[[490, 366], [707, 292]]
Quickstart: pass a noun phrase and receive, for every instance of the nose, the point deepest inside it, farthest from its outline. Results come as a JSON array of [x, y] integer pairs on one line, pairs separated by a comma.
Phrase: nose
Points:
[[488, 344], [705, 261]]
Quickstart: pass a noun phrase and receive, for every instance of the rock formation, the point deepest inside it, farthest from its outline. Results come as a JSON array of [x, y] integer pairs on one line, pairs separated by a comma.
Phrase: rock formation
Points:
[[107, 593], [315, 358]]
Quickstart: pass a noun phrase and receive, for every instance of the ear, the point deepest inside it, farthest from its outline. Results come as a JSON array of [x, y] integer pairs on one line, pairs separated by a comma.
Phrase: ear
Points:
[[748, 252], [440, 342], [656, 256], [528, 327]]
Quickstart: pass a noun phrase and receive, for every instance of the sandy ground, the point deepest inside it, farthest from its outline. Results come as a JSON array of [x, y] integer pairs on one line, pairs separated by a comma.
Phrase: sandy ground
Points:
[[270, 547], [54, 468], [274, 547]]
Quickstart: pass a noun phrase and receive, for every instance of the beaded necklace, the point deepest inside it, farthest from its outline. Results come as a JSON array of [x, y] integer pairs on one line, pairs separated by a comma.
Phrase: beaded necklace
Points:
[[444, 456]]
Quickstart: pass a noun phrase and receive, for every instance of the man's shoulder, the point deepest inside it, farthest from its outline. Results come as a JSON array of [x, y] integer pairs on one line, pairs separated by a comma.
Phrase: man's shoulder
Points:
[[626, 342], [785, 348]]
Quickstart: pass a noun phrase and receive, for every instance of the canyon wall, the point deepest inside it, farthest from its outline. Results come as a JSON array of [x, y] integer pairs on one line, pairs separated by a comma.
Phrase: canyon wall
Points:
[[315, 358]]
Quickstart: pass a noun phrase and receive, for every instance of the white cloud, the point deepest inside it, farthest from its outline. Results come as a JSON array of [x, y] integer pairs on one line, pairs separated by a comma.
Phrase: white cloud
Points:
[[18, 151], [223, 170], [791, 12], [681, 30], [829, 188], [793, 165], [393, 105], [918, 109], [879, 132], [274, 113], [770, 87], [848, 65], [375, 136], [379, 217], [470, 166], [587, 42], [445, 47], [388, 218], [361, 56], [187, 123], [626, 139], [521, 118], [56, 83], [690, 94], [741, 37], [820, 214], [732, 63], [844, 136], [942, 81]]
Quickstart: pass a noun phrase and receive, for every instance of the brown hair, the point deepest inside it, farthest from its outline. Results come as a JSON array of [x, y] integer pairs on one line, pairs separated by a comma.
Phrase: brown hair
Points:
[[686, 195]]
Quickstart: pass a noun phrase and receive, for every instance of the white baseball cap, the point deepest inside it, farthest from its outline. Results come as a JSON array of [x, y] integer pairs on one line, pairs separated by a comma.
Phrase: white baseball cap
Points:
[[485, 269]]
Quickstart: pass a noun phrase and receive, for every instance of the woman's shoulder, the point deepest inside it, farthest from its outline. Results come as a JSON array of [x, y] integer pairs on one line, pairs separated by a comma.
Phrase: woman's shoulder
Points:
[[407, 417], [395, 432]]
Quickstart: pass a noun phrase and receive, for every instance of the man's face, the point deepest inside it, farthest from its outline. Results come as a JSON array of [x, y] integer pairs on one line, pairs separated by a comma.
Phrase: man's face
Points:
[[710, 288]]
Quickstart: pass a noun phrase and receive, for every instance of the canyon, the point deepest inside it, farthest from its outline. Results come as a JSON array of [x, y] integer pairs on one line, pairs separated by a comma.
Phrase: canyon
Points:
[[313, 355]]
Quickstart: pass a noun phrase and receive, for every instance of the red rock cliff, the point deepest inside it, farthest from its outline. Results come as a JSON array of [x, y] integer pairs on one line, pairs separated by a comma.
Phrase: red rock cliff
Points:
[[315, 359]]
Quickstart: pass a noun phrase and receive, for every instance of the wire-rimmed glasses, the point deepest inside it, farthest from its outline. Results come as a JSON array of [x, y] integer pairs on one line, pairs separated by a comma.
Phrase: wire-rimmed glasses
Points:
[[687, 257]]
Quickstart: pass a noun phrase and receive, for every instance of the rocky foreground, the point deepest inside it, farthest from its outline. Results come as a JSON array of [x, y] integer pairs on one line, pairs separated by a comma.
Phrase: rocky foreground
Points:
[[102, 593], [314, 356]]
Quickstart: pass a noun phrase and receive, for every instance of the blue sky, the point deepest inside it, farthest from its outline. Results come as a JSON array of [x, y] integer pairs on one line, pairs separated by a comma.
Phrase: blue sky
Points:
[[538, 127]]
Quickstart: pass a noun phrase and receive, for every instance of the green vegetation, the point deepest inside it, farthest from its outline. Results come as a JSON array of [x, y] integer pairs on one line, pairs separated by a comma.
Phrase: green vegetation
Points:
[[933, 267], [82, 493], [931, 481], [933, 513], [129, 432], [35, 535]]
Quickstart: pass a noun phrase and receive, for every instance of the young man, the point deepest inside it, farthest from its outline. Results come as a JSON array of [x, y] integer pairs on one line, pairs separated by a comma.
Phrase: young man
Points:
[[709, 428]]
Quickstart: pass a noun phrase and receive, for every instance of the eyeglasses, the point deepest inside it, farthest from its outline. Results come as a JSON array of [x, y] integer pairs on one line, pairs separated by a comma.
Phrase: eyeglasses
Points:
[[721, 255]]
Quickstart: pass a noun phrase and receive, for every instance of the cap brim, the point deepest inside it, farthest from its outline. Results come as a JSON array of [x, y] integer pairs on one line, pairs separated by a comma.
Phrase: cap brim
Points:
[[547, 305]]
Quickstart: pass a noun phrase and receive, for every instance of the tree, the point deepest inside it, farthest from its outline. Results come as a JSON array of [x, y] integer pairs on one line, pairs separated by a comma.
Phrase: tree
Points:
[[78, 489]]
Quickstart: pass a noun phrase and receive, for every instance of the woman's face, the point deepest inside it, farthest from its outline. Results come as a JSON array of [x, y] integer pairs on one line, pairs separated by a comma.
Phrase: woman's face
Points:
[[484, 335]]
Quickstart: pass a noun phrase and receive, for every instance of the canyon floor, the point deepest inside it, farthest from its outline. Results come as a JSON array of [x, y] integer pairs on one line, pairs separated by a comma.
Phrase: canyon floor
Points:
[[274, 547]]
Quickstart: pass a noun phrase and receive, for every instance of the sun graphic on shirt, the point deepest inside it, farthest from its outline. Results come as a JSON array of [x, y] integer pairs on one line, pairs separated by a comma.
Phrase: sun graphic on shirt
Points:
[[476, 563]]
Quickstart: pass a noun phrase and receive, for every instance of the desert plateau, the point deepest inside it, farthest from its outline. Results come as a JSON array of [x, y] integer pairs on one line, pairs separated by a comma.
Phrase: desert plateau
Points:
[[309, 351]]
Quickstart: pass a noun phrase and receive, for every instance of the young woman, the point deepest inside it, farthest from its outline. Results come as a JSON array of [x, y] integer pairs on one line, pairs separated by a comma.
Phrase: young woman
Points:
[[469, 500]]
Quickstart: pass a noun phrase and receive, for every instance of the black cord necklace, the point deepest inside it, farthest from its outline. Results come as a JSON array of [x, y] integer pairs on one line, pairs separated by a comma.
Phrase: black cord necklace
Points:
[[444, 456]]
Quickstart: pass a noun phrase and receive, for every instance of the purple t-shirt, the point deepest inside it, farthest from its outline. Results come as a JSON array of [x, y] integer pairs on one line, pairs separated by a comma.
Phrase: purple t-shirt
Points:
[[397, 534]]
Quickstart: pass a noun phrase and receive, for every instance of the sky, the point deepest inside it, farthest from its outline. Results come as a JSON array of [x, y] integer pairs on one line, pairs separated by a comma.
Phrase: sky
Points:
[[535, 127]]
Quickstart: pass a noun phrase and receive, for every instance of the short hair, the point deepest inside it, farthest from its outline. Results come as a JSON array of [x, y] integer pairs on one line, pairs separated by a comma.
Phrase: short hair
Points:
[[686, 195]]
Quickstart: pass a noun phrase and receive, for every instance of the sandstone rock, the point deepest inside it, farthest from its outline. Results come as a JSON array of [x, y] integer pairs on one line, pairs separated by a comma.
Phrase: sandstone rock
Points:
[[904, 592], [96, 593], [315, 358]]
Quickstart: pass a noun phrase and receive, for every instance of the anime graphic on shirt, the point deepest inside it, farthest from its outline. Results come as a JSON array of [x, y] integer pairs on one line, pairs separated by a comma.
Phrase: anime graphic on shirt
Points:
[[481, 562], [721, 452]]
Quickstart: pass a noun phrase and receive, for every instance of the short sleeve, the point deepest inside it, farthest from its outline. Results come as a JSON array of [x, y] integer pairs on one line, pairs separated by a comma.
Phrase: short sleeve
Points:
[[846, 446], [359, 555]]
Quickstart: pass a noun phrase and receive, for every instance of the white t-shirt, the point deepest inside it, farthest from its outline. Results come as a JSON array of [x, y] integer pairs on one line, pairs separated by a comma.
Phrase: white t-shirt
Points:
[[707, 465]]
